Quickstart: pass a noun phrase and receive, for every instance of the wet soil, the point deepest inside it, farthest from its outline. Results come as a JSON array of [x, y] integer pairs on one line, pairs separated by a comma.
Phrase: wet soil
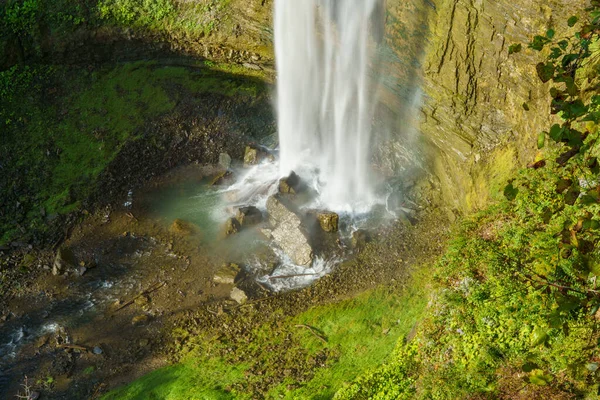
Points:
[[85, 334]]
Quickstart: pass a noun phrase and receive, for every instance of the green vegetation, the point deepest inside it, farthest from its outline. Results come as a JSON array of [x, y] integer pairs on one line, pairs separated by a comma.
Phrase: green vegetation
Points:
[[61, 127], [165, 16], [306, 357], [515, 310], [33, 24]]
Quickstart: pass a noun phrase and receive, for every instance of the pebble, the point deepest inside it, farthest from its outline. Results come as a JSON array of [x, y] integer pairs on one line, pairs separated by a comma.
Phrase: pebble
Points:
[[140, 320], [97, 350]]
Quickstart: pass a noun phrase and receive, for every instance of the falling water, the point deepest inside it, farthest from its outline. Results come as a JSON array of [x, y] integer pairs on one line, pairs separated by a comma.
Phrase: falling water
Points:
[[326, 97]]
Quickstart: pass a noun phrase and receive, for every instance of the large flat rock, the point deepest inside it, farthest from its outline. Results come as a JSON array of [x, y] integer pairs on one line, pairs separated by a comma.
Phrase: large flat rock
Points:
[[289, 234]]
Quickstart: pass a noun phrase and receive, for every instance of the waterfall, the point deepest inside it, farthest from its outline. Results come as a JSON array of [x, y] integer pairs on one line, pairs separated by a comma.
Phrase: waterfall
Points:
[[325, 94]]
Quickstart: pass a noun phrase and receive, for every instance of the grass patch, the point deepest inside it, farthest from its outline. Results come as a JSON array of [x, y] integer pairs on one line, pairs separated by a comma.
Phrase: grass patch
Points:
[[281, 359]]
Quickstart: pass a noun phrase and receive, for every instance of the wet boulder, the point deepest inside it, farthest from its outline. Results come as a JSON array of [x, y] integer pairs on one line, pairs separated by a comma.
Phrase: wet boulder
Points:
[[222, 178], [248, 216], [227, 274], [232, 226], [225, 161], [64, 260], [290, 184], [328, 221], [253, 156], [238, 295], [183, 228], [289, 233]]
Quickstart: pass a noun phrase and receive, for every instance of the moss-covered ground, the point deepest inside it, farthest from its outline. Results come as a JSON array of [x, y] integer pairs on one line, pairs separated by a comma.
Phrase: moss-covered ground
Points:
[[319, 350], [61, 127]]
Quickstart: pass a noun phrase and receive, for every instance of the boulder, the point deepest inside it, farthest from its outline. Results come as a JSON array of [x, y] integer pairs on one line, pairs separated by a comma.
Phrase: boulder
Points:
[[290, 184], [232, 226], [222, 178], [238, 295], [225, 161], [328, 221], [251, 156], [289, 234], [255, 155], [248, 216], [183, 228], [64, 260], [227, 274]]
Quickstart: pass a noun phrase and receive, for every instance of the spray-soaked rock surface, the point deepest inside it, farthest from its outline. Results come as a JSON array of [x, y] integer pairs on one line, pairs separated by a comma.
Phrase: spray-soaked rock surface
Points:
[[289, 232]]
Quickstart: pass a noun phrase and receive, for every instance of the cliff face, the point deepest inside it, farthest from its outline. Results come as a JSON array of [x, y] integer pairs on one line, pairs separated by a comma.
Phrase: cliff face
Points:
[[446, 74], [473, 110]]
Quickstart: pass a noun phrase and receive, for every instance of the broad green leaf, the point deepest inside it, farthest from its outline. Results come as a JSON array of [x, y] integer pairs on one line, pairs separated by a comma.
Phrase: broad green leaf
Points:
[[556, 132], [550, 33], [538, 337], [572, 21], [541, 141], [568, 59], [515, 48], [545, 71], [538, 43], [563, 44]]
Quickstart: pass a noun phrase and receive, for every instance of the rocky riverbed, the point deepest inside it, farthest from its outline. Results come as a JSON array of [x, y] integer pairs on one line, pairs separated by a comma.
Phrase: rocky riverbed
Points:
[[103, 307]]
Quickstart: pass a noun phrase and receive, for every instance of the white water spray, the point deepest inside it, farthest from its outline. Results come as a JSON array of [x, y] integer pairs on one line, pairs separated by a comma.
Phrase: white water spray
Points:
[[326, 97]]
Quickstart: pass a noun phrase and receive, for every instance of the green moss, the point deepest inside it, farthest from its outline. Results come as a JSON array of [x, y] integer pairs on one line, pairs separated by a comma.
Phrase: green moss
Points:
[[509, 310], [359, 335], [61, 127], [194, 19]]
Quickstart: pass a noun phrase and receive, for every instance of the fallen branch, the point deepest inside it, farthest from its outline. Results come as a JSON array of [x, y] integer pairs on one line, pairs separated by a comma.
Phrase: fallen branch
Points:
[[149, 290], [312, 330], [130, 215]]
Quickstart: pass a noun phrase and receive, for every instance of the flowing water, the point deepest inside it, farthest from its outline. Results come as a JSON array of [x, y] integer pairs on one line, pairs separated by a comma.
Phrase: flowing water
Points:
[[326, 95]]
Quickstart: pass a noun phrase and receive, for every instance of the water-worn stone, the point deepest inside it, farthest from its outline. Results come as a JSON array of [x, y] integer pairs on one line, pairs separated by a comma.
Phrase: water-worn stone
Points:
[[97, 350], [328, 221], [248, 216], [227, 274], [141, 319], [255, 155], [232, 226], [289, 233], [64, 260], [290, 184], [224, 161], [238, 295], [183, 228]]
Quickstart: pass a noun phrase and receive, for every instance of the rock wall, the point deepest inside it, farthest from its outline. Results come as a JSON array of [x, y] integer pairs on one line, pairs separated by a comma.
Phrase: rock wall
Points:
[[472, 112], [451, 96]]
